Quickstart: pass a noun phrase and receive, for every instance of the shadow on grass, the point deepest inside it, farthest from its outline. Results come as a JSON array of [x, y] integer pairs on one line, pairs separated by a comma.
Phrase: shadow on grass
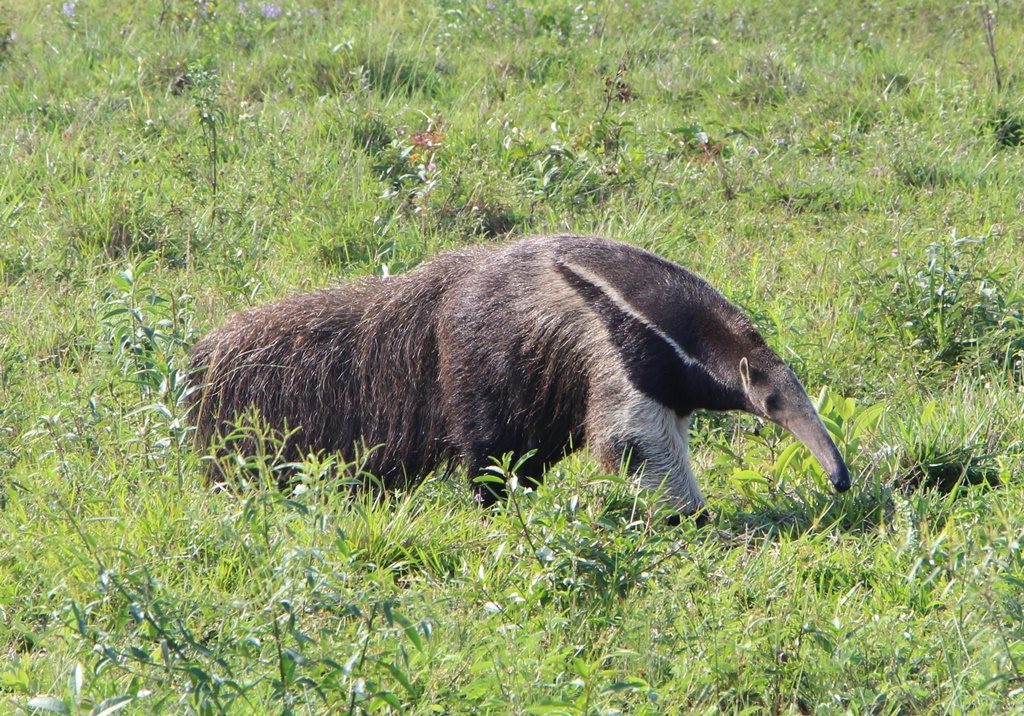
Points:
[[812, 511]]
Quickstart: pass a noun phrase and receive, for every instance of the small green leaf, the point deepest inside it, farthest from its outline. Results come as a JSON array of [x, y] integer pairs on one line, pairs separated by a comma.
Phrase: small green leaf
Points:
[[111, 705], [288, 665], [387, 697], [76, 681], [49, 703], [626, 685], [749, 477], [123, 281], [786, 457], [410, 631], [489, 477], [401, 677]]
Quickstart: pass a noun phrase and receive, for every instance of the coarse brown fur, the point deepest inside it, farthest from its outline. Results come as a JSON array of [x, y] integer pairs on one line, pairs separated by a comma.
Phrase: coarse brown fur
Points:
[[344, 367], [538, 345]]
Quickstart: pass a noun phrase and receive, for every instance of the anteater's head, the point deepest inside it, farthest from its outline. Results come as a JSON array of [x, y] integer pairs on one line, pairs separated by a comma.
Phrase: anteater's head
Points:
[[771, 390], [683, 344]]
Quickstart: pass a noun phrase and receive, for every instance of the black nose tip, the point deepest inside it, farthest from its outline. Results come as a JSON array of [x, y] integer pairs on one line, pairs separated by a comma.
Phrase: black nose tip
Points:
[[841, 479]]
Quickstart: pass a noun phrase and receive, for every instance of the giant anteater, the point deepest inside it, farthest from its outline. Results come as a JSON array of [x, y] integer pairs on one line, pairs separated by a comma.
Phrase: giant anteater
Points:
[[533, 348]]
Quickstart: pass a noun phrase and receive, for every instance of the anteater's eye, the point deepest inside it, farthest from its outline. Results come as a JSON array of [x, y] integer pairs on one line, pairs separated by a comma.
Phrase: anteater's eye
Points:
[[772, 403]]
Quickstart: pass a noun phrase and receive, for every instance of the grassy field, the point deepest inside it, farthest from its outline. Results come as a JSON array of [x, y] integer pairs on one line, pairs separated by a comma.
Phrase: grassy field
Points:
[[851, 174]]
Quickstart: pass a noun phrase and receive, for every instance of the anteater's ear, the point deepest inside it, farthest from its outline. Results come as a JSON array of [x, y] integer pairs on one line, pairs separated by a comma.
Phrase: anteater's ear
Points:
[[745, 374]]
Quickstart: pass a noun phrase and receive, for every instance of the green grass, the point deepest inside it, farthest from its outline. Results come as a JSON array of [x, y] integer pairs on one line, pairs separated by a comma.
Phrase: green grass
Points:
[[865, 211]]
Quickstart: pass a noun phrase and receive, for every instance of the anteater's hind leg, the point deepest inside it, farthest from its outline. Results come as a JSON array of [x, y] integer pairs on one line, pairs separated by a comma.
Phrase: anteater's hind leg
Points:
[[492, 407]]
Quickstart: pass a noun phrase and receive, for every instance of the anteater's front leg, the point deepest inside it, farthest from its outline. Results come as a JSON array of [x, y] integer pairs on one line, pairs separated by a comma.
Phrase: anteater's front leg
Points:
[[626, 426]]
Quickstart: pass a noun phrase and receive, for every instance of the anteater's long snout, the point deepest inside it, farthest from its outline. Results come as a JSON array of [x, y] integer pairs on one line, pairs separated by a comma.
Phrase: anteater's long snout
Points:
[[840, 477], [805, 424]]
